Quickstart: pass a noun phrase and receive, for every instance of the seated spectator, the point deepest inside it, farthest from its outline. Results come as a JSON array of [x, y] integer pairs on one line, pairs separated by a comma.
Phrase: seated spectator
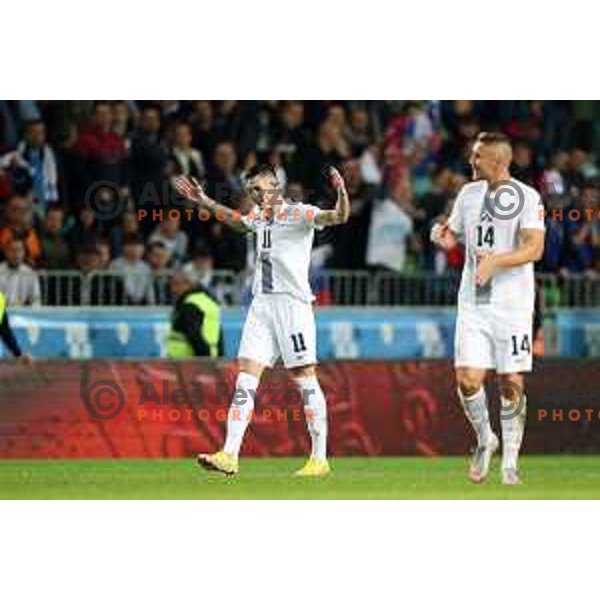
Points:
[[42, 165], [185, 160], [158, 257], [55, 251], [169, 232], [18, 218], [200, 269], [104, 254], [87, 229], [102, 150], [136, 274], [18, 280], [129, 224], [92, 287]]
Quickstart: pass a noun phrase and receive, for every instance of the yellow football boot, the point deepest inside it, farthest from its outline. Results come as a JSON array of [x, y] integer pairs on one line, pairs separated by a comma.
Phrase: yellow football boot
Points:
[[219, 461], [314, 467]]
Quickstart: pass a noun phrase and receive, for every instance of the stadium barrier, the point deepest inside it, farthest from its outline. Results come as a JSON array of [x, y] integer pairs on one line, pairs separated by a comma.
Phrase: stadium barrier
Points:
[[109, 409], [342, 332], [332, 287]]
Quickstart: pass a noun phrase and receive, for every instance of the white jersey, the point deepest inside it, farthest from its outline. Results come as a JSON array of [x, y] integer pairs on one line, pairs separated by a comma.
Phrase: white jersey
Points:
[[283, 249], [494, 227]]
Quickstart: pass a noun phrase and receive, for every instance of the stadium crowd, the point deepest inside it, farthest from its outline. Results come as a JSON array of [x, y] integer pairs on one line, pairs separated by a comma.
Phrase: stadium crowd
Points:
[[65, 165]]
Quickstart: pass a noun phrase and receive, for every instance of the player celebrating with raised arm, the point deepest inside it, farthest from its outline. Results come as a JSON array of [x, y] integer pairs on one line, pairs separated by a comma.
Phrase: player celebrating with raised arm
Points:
[[280, 321], [502, 238]]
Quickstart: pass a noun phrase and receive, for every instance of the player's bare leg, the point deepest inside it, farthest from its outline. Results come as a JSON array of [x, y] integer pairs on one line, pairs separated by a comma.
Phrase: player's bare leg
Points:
[[472, 396], [315, 410], [238, 418], [512, 416]]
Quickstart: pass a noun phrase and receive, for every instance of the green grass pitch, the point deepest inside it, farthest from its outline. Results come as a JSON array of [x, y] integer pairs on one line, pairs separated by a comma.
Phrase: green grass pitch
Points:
[[545, 477]]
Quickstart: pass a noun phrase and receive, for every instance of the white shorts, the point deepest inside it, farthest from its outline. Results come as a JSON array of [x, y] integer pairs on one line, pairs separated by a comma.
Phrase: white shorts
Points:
[[492, 338], [279, 325]]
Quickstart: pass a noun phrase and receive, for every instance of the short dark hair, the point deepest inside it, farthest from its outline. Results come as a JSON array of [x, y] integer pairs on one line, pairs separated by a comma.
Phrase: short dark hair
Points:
[[262, 169], [87, 248], [133, 238], [31, 122], [493, 137], [157, 244]]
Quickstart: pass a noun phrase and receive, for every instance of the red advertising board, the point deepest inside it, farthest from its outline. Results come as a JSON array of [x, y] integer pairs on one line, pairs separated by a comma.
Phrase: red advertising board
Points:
[[112, 409]]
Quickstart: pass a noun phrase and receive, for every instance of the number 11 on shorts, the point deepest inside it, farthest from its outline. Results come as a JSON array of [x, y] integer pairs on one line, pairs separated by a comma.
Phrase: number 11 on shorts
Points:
[[298, 342]]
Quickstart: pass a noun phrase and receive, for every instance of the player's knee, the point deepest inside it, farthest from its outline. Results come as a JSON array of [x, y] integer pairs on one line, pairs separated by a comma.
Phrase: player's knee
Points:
[[469, 383], [511, 389], [300, 372], [245, 365]]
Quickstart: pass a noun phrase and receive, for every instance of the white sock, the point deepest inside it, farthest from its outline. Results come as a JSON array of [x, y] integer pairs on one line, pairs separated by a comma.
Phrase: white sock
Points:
[[315, 410], [513, 429], [475, 408], [240, 412]]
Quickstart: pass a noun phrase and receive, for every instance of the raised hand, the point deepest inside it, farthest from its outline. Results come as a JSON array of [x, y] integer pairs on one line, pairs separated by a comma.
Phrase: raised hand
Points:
[[189, 188], [337, 181]]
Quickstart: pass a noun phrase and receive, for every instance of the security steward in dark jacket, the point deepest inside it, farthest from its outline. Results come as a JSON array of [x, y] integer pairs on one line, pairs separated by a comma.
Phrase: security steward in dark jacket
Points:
[[196, 322]]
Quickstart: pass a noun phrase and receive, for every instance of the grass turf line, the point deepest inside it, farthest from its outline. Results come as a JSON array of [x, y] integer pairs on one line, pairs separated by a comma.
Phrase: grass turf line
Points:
[[545, 477]]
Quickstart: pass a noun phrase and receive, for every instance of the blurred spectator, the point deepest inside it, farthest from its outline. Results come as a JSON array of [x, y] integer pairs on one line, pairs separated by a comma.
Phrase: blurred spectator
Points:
[[523, 168], [168, 231], [159, 258], [87, 228], [584, 232], [136, 274], [329, 150], [102, 150], [42, 164], [224, 182], [55, 250], [360, 136], [205, 137], [390, 232], [200, 269], [18, 219], [104, 254], [291, 136], [91, 287], [184, 159], [18, 280], [129, 224], [148, 160], [121, 120], [553, 180]]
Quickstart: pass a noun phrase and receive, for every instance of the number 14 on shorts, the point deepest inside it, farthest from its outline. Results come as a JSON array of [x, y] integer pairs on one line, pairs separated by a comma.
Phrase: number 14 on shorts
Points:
[[523, 346]]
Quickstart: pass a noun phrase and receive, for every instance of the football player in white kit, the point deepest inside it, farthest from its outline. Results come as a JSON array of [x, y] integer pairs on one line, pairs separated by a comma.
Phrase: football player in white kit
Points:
[[500, 222], [280, 321]]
